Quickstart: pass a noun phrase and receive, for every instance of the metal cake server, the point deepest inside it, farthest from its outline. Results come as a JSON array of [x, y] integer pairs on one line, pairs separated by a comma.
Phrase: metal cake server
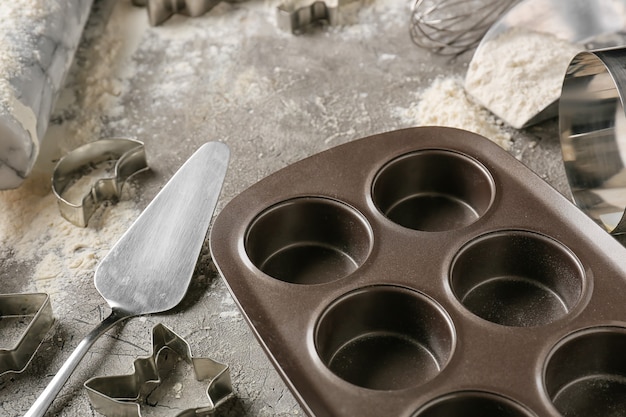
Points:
[[149, 269]]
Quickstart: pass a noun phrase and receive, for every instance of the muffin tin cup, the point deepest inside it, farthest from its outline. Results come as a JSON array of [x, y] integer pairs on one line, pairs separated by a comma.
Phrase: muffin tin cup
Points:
[[473, 404], [532, 281], [384, 338], [308, 240], [433, 190], [585, 374], [422, 272]]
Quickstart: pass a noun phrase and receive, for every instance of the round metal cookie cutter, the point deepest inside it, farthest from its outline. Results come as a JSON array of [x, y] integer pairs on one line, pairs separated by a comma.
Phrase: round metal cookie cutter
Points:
[[592, 125]]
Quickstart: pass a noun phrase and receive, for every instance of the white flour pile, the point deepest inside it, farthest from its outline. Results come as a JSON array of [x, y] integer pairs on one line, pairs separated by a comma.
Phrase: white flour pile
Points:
[[445, 103], [519, 73]]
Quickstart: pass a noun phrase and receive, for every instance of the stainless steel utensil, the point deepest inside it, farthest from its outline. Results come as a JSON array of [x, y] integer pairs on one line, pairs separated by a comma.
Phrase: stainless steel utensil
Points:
[[161, 10], [592, 126], [130, 158], [453, 27], [36, 306], [528, 50], [150, 267], [123, 395]]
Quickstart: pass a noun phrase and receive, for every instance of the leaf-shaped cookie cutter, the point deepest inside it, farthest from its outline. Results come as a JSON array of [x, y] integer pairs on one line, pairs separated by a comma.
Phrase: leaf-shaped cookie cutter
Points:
[[120, 395], [130, 159], [17, 357]]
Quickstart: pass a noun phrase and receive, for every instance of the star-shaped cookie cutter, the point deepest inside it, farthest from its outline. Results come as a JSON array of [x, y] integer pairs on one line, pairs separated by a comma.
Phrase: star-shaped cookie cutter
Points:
[[36, 306], [295, 15], [130, 157], [161, 10], [120, 395]]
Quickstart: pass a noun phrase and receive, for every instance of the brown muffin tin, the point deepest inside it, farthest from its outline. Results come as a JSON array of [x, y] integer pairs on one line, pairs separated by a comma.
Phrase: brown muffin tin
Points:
[[427, 273]]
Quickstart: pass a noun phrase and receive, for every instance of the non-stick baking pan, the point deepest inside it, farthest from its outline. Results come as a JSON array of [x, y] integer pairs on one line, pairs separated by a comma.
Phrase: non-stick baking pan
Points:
[[426, 272]]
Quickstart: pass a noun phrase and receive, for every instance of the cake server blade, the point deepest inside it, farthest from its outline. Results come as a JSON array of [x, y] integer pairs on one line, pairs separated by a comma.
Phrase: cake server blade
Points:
[[149, 269]]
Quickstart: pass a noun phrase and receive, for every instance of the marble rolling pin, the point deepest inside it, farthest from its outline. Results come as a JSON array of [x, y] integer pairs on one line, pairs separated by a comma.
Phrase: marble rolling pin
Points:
[[38, 39]]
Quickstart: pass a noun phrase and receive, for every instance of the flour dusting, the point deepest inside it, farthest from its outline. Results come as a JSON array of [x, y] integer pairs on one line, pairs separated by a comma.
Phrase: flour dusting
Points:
[[32, 230], [519, 73], [445, 103]]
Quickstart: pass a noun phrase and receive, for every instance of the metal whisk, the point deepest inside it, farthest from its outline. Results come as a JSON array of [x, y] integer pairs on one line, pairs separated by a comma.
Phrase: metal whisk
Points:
[[452, 27]]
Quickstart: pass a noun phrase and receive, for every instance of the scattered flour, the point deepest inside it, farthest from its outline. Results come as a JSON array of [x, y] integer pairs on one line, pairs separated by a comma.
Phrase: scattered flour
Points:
[[232, 315], [92, 94], [362, 19], [519, 73], [445, 103], [32, 231]]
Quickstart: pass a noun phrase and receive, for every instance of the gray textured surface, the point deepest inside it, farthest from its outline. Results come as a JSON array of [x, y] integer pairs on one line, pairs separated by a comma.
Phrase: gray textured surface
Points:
[[274, 98]]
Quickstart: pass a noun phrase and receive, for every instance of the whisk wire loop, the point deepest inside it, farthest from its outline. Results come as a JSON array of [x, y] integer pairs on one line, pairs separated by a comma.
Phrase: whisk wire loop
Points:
[[452, 27]]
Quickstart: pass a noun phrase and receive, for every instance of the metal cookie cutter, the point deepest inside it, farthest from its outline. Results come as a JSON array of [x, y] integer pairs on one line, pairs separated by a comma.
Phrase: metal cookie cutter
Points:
[[592, 123], [293, 15], [161, 10], [121, 395], [16, 358], [130, 159]]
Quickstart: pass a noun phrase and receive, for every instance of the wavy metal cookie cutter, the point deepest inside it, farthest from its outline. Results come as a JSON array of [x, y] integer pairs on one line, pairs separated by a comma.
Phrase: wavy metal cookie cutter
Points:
[[121, 395], [130, 158], [293, 15], [161, 10], [36, 306]]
